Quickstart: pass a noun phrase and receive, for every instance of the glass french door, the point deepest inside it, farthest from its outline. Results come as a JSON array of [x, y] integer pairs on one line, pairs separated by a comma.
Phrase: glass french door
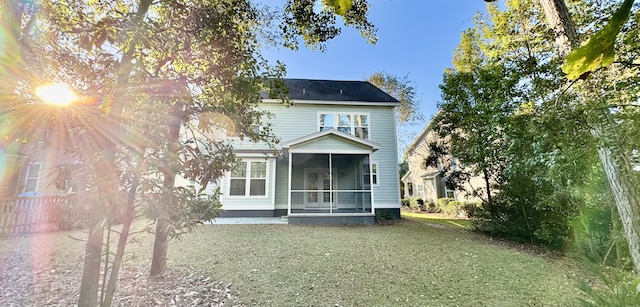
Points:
[[318, 183]]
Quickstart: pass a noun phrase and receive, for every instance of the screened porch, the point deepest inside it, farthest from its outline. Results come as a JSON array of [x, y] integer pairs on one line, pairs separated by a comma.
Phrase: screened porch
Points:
[[326, 183]]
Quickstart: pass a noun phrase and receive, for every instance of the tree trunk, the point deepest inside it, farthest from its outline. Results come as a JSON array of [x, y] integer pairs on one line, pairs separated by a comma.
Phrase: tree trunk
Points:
[[616, 164], [627, 199], [91, 270], [561, 23], [487, 185], [161, 241], [92, 260], [124, 236]]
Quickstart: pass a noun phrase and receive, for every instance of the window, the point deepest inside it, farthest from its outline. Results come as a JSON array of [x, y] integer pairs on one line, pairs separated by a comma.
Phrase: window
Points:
[[249, 179], [370, 172], [354, 124], [419, 190], [449, 193], [32, 176]]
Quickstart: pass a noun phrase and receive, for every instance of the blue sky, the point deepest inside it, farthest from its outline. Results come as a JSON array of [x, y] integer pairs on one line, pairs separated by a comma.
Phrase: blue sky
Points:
[[416, 39]]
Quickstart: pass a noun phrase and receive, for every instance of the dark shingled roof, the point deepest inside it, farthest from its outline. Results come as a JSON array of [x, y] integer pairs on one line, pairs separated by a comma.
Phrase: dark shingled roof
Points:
[[330, 90]]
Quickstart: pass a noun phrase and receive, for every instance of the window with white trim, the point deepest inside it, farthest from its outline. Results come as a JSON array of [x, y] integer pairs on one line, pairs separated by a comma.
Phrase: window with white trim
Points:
[[449, 193], [350, 123], [370, 173], [249, 179], [32, 176]]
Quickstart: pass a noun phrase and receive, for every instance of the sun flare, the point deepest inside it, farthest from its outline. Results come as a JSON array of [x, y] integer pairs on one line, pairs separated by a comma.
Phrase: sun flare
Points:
[[56, 94]]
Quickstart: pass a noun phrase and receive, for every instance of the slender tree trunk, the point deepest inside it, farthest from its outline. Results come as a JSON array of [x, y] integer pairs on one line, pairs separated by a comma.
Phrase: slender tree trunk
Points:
[[615, 162], [161, 242], [92, 260], [487, 185], [124, 236], [93, 253]]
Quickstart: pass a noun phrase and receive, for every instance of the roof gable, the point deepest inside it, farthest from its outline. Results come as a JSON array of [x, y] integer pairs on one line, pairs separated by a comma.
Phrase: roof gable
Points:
[[326, 138]]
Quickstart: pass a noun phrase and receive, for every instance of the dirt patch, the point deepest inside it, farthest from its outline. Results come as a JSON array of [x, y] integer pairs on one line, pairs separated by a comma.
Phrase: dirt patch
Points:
[[26, 282]]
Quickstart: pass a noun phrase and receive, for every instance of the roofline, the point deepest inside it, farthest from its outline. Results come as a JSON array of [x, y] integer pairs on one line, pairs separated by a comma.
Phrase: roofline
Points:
[[422, 134], [406, 176], [336, 102], [286, 145]]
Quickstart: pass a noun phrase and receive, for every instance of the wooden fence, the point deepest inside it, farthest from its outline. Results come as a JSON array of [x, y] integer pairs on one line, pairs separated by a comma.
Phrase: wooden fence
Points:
[[31, 214]]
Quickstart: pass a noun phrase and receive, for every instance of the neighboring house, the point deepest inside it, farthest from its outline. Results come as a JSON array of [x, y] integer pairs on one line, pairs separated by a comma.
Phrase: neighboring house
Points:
[[27, 167], [427, 183], [336, 161]]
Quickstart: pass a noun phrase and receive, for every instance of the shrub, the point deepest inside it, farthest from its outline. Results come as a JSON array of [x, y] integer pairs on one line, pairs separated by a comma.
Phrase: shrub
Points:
[[441, 203], [471, 208], [431, 207], [421, 204], [406, 202], [454, 208], [515, 218], [618, 288], [413, 204]]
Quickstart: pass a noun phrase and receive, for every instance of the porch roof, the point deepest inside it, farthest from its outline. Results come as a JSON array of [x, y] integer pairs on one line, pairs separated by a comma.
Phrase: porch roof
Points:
[[430, 175], [352, 143]]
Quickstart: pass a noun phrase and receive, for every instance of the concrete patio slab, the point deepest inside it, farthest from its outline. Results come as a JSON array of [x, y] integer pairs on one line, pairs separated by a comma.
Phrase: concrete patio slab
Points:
[[249, 220]]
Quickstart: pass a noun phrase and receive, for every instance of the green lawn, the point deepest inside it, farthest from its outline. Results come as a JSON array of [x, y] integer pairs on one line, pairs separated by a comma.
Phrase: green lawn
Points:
[[407, 264], [438, 219], [410, 263]]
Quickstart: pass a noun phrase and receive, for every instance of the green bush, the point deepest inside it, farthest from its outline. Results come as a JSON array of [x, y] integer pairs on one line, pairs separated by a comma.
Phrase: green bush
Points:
[[406, 202], [454, 208], [441, 203], [546, 222], [431, 207], [471, 207], [449, 206], [414, 203], [616, 288]]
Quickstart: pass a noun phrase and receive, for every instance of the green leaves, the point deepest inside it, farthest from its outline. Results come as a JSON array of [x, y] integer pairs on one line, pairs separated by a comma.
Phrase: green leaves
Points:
[[340, 6], [599, 50]]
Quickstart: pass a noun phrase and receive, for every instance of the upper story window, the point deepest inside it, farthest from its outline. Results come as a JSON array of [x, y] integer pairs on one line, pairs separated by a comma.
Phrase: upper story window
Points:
[[350, 123], [32, 176]]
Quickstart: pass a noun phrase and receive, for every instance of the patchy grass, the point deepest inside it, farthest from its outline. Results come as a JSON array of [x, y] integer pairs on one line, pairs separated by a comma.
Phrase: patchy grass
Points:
[[409, 263], [439, 219]]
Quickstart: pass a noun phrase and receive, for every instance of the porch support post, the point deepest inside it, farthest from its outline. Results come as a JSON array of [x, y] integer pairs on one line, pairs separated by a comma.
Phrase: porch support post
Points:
[[330, 185], [373, 209], [406, 189], [289, 185]]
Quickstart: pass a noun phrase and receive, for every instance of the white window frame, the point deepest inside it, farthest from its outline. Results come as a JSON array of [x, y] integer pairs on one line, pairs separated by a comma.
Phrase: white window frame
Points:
[[352, 126], [368, 169], [36, 178], [447, 191], [419, 190], [247, 178]]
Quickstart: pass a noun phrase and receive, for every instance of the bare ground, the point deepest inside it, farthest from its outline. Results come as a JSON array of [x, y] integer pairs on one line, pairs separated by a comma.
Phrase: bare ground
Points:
[[30, 277]]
